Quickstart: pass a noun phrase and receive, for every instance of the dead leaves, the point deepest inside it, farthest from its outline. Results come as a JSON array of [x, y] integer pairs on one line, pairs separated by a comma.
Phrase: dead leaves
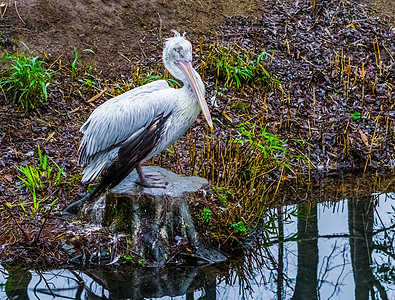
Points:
[[364, 138]]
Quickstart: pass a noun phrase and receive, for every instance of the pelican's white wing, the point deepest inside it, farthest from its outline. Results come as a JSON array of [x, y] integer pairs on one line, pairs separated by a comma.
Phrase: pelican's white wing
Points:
[[116, 120]]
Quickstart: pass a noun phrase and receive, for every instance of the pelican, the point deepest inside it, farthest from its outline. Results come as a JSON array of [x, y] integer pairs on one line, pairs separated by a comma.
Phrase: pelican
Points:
[[131, 128]]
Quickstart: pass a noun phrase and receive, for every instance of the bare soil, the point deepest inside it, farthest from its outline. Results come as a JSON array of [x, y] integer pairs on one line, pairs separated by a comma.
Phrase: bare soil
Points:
[[119, 32]]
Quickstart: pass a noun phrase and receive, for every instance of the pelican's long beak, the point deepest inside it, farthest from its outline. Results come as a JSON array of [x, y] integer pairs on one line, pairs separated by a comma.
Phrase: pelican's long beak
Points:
[[192, 77]]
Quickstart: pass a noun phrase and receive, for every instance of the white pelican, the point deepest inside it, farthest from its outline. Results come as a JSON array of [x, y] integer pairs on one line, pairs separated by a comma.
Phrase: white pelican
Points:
[[129, 129]]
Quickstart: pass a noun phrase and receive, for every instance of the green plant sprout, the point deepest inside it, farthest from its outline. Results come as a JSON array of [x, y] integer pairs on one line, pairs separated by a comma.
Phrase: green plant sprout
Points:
[[38, 179], [236, 67], [172, 149], [356, 116], [77, 55], [239, 227], [266, 151], [205, 215], [26, 79], [223, 194], [264, 142]]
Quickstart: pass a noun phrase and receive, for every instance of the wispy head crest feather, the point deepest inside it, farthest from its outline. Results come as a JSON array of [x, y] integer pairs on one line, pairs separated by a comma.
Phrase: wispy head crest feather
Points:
[[177, 34]]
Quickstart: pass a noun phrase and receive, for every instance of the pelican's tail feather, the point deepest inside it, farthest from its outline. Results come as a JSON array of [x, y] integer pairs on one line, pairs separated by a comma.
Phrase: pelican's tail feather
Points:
[[97, 164]]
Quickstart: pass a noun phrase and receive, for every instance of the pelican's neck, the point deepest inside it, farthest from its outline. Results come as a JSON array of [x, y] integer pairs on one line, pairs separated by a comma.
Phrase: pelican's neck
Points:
[[173, 69], [189, 102], [187, 86]]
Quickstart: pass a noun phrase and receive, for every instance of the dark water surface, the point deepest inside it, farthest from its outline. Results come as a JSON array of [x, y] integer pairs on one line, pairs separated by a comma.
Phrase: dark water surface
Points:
[[330, 250]]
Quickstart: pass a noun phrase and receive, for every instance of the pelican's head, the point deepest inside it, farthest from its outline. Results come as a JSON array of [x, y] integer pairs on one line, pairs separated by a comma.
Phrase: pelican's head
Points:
[[177, 58], [177, 50]]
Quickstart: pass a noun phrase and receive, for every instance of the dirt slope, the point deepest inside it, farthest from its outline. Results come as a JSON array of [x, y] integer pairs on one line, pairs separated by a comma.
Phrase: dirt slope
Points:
[[119, 32]]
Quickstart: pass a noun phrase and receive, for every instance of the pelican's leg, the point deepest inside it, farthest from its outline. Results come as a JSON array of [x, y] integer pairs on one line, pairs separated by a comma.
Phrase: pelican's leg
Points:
[[150, 180]]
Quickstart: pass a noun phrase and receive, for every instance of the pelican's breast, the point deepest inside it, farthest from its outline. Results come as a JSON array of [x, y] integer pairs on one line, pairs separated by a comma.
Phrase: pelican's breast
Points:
[[183, 115]]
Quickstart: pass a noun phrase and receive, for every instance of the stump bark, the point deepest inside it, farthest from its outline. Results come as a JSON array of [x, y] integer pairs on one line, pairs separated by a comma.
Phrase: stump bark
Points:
[[158, 220]]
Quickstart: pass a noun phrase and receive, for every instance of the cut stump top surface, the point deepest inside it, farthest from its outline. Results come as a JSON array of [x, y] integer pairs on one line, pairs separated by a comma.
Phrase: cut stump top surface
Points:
[[177, 184]]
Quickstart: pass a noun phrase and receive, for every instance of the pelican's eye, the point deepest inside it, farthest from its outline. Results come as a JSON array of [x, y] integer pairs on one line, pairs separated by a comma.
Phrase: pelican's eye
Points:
[[179, 51]]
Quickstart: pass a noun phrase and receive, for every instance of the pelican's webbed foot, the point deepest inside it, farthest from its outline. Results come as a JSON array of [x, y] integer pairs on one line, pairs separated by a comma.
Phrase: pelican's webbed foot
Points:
[[150, 180], [152, 184]]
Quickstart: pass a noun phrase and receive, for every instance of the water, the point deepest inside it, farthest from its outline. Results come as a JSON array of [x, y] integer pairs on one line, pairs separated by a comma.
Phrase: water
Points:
[[332, 250]]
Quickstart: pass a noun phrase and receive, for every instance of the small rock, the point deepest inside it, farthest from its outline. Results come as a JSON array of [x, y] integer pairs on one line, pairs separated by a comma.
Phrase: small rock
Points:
[[29, 154]]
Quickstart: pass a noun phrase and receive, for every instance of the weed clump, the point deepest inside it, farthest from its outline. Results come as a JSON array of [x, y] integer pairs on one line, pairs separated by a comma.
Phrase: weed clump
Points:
[[38, 179], [237, 66], [27, 79], [246, 171]]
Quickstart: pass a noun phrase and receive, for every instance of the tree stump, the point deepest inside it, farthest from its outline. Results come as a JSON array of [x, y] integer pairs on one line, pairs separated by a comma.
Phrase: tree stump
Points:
[[157, 219]]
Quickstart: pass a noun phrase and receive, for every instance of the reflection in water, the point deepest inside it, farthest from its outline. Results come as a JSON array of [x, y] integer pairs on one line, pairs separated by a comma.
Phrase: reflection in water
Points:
[[306, 278], [342, 250], [361, 220], [17, 283]]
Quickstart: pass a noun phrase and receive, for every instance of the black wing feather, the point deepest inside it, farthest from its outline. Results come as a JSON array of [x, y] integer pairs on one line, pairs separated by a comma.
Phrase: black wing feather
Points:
[[130, 154]]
